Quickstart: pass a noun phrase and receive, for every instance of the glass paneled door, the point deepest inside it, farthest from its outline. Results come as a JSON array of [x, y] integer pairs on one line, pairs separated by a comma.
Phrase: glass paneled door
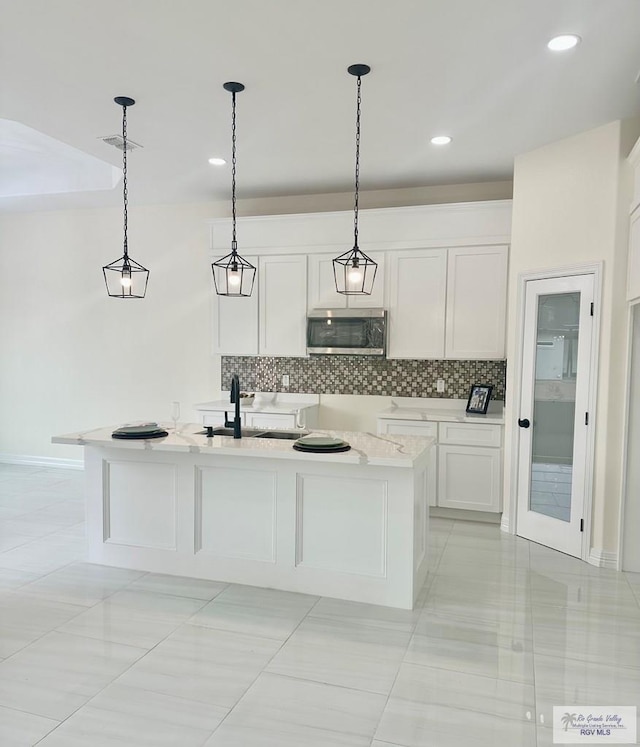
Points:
[[553, 420]]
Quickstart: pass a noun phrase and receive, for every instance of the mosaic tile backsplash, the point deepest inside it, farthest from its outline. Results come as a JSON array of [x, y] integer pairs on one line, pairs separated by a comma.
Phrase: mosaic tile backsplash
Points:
[[354, 374]]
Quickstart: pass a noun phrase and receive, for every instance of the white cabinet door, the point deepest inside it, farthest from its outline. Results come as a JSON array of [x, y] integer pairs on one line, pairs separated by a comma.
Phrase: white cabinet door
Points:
[[322, 285], [469, 477], [416, 428], [476, 302], [633, 270], [377, 298], [269, 420], [282, 285], [417, 293], [235, 323], [216, 417]]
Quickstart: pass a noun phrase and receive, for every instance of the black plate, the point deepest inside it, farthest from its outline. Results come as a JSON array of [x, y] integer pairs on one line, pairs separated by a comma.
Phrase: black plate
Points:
[[141, 435], [321, 450]]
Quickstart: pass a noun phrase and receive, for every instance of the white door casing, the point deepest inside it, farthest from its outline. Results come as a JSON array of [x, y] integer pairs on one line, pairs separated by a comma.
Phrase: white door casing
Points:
[[563, 535]]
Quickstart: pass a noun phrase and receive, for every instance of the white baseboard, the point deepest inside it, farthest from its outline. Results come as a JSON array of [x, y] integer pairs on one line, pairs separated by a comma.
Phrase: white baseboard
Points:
[[40, 461], [603, 558], [505, 525]]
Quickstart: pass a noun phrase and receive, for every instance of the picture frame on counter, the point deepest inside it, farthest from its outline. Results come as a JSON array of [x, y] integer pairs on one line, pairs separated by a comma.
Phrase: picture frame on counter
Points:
[[479, 398]]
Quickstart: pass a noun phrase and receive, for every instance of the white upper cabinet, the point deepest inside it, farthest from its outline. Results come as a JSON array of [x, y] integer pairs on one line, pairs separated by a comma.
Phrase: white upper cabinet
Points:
[[476, 302], [417, 296], [235, 323], [322, 285], [282, 294]]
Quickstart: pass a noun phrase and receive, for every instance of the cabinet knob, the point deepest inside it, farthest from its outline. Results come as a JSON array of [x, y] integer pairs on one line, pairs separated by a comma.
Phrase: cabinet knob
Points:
[[524, 423]]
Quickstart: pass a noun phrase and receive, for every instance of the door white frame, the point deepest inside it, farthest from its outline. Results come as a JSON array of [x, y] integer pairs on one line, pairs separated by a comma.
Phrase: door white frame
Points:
[[594, 269], [626, 427]]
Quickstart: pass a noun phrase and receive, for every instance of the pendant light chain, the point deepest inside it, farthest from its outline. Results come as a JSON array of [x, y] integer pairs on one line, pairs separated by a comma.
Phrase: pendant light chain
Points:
[[233, 169], [355, 207], [124, 277], [125, 192], [233, 275], [353, 271]]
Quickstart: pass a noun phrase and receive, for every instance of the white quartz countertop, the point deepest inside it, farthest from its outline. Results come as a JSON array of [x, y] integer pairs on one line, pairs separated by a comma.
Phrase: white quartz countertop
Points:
[[448, 411], [366, 448]]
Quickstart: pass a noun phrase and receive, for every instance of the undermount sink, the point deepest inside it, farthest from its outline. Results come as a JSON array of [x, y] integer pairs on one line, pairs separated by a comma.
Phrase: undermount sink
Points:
[[253, 433], [281, 434]]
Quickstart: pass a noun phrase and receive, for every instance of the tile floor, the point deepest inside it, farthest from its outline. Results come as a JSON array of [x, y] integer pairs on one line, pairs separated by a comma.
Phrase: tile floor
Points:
[[96, 656]]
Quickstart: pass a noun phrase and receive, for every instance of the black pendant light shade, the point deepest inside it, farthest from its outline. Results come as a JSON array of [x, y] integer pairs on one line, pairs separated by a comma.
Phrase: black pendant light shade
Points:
[[354, 271], [232, 274], [124, 277]]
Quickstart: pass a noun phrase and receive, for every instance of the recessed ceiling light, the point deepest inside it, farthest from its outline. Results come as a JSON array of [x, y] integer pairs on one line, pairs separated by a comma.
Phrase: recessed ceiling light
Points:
[[217, 161], [441, 140], [563, 42]]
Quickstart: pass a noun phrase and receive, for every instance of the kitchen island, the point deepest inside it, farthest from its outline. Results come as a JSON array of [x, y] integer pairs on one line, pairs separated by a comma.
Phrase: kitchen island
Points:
[[350, 525]]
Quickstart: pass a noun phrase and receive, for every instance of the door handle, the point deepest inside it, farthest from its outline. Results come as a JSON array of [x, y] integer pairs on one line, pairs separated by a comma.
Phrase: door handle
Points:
[[523, 423]]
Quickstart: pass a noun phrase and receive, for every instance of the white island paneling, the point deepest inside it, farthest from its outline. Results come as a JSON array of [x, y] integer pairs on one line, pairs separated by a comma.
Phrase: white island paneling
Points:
[[351, 525]]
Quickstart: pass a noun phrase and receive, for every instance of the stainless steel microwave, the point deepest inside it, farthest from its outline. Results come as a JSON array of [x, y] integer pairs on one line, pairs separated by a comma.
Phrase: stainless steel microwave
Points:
[[347, 331]]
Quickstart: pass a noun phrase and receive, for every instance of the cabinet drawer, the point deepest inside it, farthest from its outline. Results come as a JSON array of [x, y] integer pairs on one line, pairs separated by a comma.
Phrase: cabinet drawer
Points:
[[216, 417], [470, 434], [269, 420], [408, 428]]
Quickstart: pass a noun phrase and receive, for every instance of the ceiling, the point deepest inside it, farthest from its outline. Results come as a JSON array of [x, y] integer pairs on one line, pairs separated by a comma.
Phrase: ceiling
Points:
[[478, 70]]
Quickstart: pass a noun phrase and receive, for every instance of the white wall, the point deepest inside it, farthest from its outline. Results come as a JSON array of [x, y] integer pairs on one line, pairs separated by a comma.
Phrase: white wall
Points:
[[72, 358], [569, 206]]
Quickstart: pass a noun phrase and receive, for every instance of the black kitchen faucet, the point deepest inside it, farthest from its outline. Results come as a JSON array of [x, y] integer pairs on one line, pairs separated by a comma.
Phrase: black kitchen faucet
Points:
[[235, 399]]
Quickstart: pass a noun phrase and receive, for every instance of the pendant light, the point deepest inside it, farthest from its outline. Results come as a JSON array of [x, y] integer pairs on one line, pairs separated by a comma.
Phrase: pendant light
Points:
[[354, 271], [124, 277], [232, 274]]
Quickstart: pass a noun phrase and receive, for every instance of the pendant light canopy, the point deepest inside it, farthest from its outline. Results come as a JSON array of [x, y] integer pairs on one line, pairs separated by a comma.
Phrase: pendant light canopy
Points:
[[354, 271], [232, 274], [124, 277]]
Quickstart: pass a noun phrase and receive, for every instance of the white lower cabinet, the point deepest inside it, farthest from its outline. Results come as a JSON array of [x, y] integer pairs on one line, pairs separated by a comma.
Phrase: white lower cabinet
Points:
[[269, 420], [469, 477], [465, 468], [417, 428]]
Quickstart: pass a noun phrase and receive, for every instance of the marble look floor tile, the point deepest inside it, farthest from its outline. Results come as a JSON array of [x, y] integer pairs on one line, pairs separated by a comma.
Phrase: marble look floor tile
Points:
[[82, 583], [623, 619], [27, 526], [366, 614], [440, 707], [563, 681], [44, 555], [178, 586], [412, 724], [20, 729], [24, 619], [461, 690], [161, 606], [342, 653], [108, 622], [202, 664], [9, 539], [262, 612], [131, 716], [11, 579], [472, 647], [285, 711], [57, 674], [603, 647]]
